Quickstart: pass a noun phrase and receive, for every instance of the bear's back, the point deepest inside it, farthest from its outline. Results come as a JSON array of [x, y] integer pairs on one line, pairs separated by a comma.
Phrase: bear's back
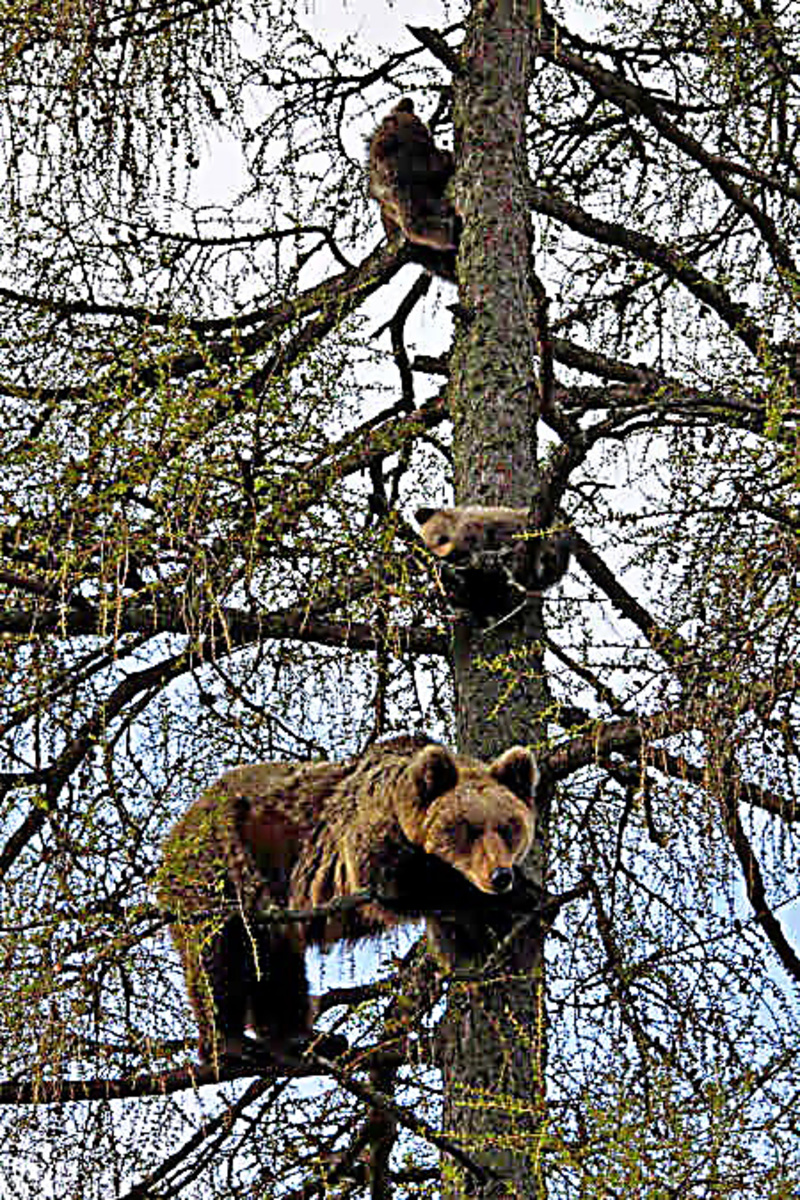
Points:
[[360, 818]]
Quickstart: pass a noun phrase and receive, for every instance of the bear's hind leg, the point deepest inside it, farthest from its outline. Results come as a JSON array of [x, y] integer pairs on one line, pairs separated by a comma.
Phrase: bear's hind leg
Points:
[[426, 220], [280, 1006], [219, 994], [278, 1002]]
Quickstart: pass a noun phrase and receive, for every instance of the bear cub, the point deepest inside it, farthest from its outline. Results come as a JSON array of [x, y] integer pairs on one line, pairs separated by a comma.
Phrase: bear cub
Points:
[[408, 176], [489, 566], [423, 830]]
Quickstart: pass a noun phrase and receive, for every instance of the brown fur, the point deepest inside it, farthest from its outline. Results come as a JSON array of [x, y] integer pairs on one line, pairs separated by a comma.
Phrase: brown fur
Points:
[[472, 527], [407, 821], [408, 176]]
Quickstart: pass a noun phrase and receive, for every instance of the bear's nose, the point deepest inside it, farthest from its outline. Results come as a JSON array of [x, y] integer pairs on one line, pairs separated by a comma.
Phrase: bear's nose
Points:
[[502, 879]]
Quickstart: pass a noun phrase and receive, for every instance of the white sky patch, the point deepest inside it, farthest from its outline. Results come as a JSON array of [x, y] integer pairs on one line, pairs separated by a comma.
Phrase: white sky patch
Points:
[[374, 24]]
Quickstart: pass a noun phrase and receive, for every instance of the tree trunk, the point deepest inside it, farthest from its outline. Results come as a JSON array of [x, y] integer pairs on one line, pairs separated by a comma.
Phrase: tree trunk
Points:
[[493, 1030]]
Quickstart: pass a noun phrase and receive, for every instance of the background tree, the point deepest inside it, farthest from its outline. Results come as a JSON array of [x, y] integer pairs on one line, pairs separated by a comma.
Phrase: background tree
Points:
[[218, 409]]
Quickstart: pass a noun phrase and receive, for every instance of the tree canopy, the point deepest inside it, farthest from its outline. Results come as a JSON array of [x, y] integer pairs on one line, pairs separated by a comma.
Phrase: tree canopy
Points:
[[224, 394]]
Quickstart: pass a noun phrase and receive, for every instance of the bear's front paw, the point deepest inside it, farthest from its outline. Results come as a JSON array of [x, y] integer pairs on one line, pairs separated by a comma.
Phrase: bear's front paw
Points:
[[389, 882], [383, 886]]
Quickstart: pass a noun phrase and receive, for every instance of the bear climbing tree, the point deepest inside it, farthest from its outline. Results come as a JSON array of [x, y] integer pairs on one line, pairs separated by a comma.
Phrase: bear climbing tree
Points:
[[492, 562], [409, 176], [422, 830]]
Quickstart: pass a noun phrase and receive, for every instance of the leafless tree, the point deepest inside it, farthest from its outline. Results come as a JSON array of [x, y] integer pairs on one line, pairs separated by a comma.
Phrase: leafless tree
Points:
[[217, 418]]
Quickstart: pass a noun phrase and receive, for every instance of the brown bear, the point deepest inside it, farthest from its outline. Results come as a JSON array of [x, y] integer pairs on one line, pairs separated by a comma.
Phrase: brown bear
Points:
[[423, 830], [491, 567], [408, 176]]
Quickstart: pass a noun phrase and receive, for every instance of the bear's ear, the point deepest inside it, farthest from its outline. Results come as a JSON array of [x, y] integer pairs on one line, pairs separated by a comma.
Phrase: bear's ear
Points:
[[433, 772], [516, 769], [430, 774], [424, 514]]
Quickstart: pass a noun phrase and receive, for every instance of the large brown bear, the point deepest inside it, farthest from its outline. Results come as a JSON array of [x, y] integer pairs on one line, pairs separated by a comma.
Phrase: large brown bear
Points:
[[425, 831], [408, 176], [492, 563]]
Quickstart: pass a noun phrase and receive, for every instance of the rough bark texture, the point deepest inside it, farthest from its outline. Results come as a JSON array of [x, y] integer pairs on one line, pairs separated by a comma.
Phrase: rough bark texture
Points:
[[492, 1056]]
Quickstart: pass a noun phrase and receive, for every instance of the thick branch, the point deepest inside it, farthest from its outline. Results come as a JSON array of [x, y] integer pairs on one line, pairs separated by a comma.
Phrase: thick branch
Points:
[[725, 779], [669, 645], [633, 99], [242, 628], [674, 264], [334, 298]]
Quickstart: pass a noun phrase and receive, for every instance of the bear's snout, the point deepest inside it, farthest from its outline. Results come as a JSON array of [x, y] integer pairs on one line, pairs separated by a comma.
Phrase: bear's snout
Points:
[[502, 879]]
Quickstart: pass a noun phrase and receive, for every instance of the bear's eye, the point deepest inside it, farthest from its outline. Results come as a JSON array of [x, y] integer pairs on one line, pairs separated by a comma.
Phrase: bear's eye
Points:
[[510, 833], [463, 834]]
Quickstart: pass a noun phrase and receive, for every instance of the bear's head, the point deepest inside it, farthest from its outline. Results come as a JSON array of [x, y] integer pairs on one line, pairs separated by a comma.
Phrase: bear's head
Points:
[[446, 532], [478, 818]]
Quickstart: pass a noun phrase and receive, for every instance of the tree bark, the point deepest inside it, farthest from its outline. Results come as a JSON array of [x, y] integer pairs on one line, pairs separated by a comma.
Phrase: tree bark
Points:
[[493, 1030]]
